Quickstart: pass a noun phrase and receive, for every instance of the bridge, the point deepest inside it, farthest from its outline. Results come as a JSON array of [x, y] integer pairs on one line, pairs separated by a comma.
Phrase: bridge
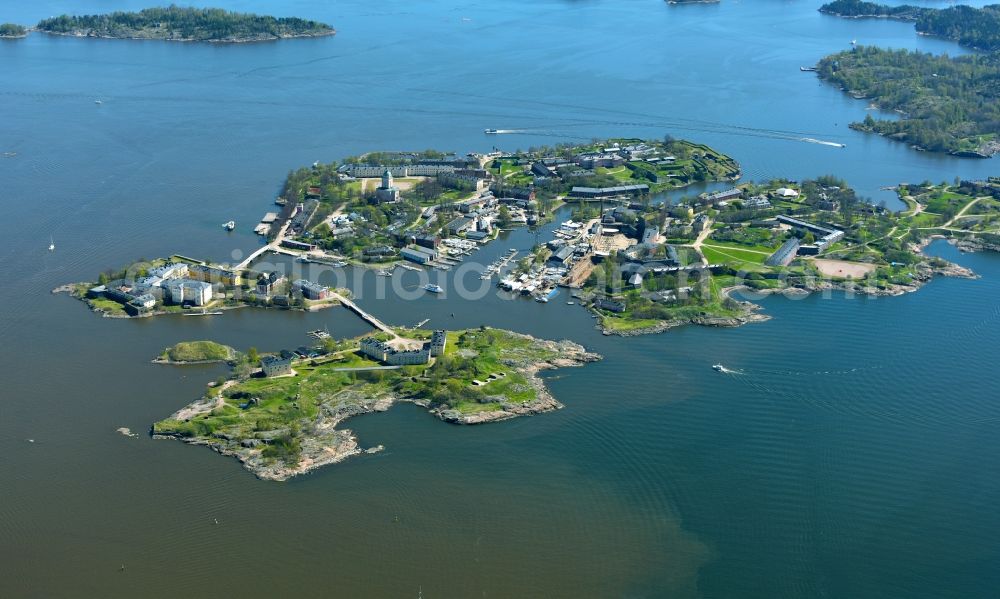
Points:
[[378, 324], [274, 246]]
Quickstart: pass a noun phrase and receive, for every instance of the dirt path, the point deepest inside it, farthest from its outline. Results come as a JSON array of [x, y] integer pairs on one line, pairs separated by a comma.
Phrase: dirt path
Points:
[[696, 246]]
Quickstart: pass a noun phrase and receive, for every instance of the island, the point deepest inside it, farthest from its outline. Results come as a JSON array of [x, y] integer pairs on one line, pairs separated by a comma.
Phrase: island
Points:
[[638, 262], [403, 210], [944, 104], [197, 352], [643, 268], [381, 207], [977, 28], [284, 418], [175, 23], [12, 31]]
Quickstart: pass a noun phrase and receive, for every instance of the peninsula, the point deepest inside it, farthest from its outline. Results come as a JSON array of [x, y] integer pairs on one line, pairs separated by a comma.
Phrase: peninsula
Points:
[[977, 28], [284, 419], [945, 104], [174, 23]]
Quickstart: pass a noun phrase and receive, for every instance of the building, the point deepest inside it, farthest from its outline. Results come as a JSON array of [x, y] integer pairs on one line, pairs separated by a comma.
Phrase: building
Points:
[[609, 304], [418, 254], [387, 192], [276, 365], [785, 254], [298, 245], [385, 353], [427, 241], [212, 274], [598, 193], [724, 196], [459, 225], [267, 281], [310, 290], [463, 178], [605, 160], [786, 193], [560, 257], [825, 236], [542, 170], [438, 341], [757, 202], [188, 291], [174, 270]]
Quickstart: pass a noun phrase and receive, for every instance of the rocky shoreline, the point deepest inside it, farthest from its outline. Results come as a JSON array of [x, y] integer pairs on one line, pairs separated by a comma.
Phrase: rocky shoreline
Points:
[[751, 315], [322, 443]]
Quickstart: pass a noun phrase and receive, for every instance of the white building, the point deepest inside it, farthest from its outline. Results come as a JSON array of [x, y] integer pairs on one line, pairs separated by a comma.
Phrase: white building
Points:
[[181, 291]]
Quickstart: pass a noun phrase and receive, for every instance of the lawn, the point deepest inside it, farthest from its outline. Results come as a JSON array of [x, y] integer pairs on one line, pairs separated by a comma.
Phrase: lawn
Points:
[[723, 254]]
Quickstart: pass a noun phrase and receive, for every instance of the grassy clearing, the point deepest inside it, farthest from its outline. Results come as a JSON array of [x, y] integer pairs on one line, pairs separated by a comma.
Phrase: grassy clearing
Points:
[[199, 351]]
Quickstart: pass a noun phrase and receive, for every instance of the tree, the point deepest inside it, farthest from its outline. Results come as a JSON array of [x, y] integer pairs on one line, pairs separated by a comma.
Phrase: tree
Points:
[[253, 356], [503, 217]]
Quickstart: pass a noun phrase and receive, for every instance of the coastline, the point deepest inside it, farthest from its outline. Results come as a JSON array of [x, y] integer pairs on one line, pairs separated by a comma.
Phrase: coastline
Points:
[[924, 273], [327, 444], [273, 38]]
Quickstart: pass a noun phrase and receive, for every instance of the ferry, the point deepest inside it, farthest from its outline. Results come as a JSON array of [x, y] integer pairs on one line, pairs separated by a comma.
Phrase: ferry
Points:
[[433, 288], [229, 226], [491, 131]]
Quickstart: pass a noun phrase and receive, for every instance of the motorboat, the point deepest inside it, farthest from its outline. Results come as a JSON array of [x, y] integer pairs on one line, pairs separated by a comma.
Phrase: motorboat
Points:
[[433, 288]]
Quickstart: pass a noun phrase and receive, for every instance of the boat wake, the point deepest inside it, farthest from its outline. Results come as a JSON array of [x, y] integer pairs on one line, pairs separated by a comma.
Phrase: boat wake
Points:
[[822, 143], [724, 370]]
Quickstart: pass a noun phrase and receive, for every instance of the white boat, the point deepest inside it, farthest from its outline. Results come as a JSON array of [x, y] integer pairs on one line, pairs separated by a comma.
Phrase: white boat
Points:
[[98, 102], [229, 226], [433, 288], [491, 131], [52, 244], [542, 299], [570, 303], [719, 368]]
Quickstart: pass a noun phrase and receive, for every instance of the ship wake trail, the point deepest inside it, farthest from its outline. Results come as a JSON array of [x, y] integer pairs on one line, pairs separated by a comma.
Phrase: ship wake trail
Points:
[[822, 143]]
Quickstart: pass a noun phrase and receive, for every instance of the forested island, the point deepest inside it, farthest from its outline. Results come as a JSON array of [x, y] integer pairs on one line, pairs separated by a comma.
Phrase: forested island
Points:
[[10, 30], [946, 104], [973, 27], [176, 23]]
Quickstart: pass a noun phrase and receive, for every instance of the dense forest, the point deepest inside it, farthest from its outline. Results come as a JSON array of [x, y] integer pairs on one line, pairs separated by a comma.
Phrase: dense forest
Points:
[[969, 26], [947, 104], [177, 23], [973, 27], [12, 30], [860, 8]]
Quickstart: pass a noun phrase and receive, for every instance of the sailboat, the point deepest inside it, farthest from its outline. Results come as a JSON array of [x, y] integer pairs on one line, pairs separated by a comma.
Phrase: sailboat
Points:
[[52, 244]]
